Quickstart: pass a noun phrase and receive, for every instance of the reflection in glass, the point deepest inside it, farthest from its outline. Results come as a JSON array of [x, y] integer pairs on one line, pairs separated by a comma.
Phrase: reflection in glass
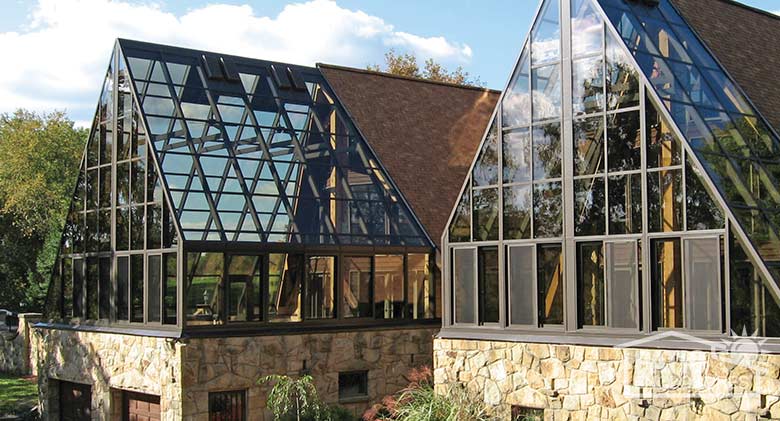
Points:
[[624, 141], [464, 285], [701, 212], [589, 146], [244, 289], [547, 151], [589, 206], [137, 290], [105, 288], [546, 85], [420, 294], [664, 200], [625, 204], [203, 276], [623, 281], [460, 228], [284, 287], [546, 34], [548, 220], [516, 105], [154, 281], [663, 147], [356, 283], [588, 86], [622, 79], [485, 214], [517, 156], [666, 280], [753, 308], [488, 280], [549, 269], [171, 297], [320, 289], [486, 168], [586, 28], [590, 283], [388, 286], [517, 212], [92, 275]]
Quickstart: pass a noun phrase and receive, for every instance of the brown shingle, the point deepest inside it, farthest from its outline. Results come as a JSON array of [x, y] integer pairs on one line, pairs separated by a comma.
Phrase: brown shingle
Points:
[[747, 42], [425, 134]]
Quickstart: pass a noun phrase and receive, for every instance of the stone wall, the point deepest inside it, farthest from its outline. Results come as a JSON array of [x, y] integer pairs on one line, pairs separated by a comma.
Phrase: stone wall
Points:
[[17, 355], [109, 362], [579, 383], [237, 363]]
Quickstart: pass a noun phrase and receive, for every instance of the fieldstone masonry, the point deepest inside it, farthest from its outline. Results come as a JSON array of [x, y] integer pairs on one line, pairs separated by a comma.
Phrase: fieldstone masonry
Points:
[[17, 352], [592, 383], [183, 372]]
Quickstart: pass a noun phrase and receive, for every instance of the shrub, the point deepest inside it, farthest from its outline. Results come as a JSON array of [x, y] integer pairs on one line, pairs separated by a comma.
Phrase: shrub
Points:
[[297, 400]]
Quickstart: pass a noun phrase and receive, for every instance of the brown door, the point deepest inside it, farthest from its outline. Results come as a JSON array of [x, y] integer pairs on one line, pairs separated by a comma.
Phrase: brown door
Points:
[[140, 407], [75, 401]]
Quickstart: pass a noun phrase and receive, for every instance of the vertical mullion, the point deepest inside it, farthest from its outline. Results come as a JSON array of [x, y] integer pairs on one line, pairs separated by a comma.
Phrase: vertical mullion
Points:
[[644, 259], [567, 136], [727, 280]]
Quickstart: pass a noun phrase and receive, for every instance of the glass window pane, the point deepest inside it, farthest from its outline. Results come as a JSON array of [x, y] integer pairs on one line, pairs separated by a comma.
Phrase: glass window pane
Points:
[[105, 287], [204, 288], [488, 278], [548, 220], [624, 141], [702, 274], [460, 228], [420, 292], [154, 226], [171, 296], [137, 227], [591, 299], [67, 287], [588, 85], [666, 280], [244, 275], [485, 214], [486, 168], [122, 287], [154, 302], [137, 290], [589, 206], [78, 288], [622, 78], [547, 151], [517, 156], [320, 289], [356, 280], [586, 28], [625, 204], [284, 287], [388, 286], [702, 212], [517, 212], [516, 105], [546, 85], [464, 285], [546, 34], [753, 308], [663, 147], [589, 146], [521, 285], [549, 268], [92, 288], [664, 200], [623, 281]]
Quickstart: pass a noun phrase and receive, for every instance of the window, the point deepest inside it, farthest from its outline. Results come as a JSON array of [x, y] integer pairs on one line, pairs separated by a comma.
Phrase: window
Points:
[[244, 288], [522, 304], [356, 280], [137, 290], [104, 287], [204, 288], [320, 289], [171, 295], [702, 274], [353, 385], [284, 287], [485, 214], [78, 288], [665, 200], [154, 290], [92, 288], [488, 278], [753, 308], [625, 204], [623, 284], [420, 291], [589, 205], [122, 287], [521, 413], [667, 288], [464, 285], [590, 281], [549, 269], [227, 406], [388, 286], [67, 287]]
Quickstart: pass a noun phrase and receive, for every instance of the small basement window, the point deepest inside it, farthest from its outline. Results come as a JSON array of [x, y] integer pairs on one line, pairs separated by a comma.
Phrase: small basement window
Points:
[[522, 413], [353, 386], [227, 406]]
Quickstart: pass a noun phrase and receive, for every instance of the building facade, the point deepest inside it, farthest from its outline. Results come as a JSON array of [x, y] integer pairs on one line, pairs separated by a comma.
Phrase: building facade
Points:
[[231, 220], [613, 253]]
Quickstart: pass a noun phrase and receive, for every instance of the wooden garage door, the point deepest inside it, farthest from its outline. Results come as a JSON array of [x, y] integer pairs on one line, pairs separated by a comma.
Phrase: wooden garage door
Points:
[[75, 401], [140, 407]]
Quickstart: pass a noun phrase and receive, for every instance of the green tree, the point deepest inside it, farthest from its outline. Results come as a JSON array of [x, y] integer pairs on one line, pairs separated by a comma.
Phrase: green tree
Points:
[[406, 65], [40, 156]]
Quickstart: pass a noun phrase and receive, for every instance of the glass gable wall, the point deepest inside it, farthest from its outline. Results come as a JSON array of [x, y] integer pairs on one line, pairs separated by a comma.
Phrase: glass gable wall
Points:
[[234, 191], [584, 191]]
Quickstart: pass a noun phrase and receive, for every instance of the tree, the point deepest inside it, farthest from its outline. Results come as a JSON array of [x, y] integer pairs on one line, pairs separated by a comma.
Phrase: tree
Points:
[[40, 157], [406, 65]]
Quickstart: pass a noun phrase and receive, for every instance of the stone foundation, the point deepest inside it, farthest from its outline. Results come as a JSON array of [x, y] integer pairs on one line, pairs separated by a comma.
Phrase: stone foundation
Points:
[[579, 382], [183, 372], [17, 350]]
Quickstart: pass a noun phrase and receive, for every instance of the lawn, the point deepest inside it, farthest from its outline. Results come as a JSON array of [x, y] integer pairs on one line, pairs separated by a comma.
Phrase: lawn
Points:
[[17, 394]]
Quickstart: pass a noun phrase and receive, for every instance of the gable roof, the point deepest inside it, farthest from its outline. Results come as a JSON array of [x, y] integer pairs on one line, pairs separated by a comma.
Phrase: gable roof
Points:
[[746, 41], [424, 133]]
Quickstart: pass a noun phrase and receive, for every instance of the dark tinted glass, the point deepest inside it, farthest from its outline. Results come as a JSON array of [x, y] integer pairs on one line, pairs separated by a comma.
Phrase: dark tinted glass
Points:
[[488, 278], [549, 267], [625, 204], [589, 206], [664, 200], [485, 214], [624, 141]]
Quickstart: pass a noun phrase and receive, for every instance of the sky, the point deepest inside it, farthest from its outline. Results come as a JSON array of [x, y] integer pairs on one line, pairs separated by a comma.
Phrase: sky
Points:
[[56, 51]]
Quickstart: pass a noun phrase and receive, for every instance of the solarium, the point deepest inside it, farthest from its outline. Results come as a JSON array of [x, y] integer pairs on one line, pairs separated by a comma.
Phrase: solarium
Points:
[[626, 187], [219, 194]]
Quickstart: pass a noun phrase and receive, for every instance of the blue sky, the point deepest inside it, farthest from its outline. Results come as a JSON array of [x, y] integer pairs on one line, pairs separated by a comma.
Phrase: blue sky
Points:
[[482, 36]]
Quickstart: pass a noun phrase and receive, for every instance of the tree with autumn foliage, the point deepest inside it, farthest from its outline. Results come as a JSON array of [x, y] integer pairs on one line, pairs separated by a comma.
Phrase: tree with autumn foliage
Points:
[[406, 65]]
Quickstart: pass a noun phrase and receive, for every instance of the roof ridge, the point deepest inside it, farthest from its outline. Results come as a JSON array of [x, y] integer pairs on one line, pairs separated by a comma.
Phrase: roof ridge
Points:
[[407, 78]]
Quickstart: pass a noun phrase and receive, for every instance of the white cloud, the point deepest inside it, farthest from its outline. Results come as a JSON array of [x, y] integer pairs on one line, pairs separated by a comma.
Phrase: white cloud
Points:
[[58, 60]]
